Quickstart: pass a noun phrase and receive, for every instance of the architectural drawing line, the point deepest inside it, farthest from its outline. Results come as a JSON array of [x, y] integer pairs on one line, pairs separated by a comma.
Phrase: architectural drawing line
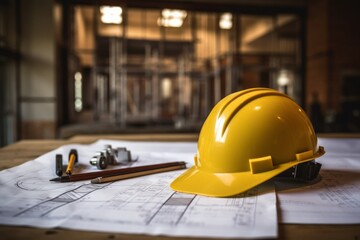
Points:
[[45, 207], [152, 217], [187, 206]]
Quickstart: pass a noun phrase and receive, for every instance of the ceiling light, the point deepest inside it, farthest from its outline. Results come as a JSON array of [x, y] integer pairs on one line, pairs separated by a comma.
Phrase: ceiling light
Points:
[[110, 19], [111, 15], [173, 13], [170, 22], [172, 18], [225, 21]]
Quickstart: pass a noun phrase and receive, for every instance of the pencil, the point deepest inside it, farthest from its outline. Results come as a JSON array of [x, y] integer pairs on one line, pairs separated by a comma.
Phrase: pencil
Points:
[[72, 160], [113, 178], [106, 173]]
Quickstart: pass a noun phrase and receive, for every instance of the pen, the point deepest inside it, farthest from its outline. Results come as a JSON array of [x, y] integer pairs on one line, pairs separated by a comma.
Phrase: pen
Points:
[[107, 173], [118, 177], [73, 158]]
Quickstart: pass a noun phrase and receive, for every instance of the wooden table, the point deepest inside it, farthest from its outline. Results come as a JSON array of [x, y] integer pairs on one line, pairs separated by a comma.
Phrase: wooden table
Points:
[[26, 150]]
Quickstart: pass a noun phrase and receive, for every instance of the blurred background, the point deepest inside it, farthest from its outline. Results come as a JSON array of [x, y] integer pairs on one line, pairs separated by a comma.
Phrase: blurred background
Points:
[[87, 67]]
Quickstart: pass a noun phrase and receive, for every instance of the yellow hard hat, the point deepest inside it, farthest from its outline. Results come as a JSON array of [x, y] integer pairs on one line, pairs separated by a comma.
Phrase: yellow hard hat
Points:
[[249, 137]]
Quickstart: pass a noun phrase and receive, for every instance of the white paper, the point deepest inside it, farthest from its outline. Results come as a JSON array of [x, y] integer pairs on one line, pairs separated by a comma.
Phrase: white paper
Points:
[[335, 199], [144, 205]]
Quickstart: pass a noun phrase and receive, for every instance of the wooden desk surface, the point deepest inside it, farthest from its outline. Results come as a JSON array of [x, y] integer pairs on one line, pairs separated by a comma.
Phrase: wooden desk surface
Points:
[[26, 150]]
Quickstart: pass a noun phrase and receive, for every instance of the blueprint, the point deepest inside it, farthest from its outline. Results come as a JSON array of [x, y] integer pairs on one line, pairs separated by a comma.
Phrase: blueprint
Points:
[[335, 199], [144, 205]]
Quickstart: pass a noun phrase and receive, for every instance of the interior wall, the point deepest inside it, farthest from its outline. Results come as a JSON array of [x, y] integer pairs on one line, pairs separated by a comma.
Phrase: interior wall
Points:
[[333, 51], [317, 51], [37, 70]]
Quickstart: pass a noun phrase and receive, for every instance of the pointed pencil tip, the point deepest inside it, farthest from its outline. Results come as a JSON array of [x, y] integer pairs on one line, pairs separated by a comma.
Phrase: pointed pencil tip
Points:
[[95, 180]]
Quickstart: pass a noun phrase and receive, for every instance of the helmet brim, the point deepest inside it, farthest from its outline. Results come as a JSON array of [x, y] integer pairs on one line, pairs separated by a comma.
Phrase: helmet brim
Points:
[[196, 181]]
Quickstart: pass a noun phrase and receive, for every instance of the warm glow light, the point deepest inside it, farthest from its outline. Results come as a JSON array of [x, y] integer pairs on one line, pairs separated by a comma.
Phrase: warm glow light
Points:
[[111, 15], [166, 88], [111, 19], [283, 79], [225, 21], [170, 22], [78, 76], [172, 18], [173, 13], [78, 91], [108, 10]]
